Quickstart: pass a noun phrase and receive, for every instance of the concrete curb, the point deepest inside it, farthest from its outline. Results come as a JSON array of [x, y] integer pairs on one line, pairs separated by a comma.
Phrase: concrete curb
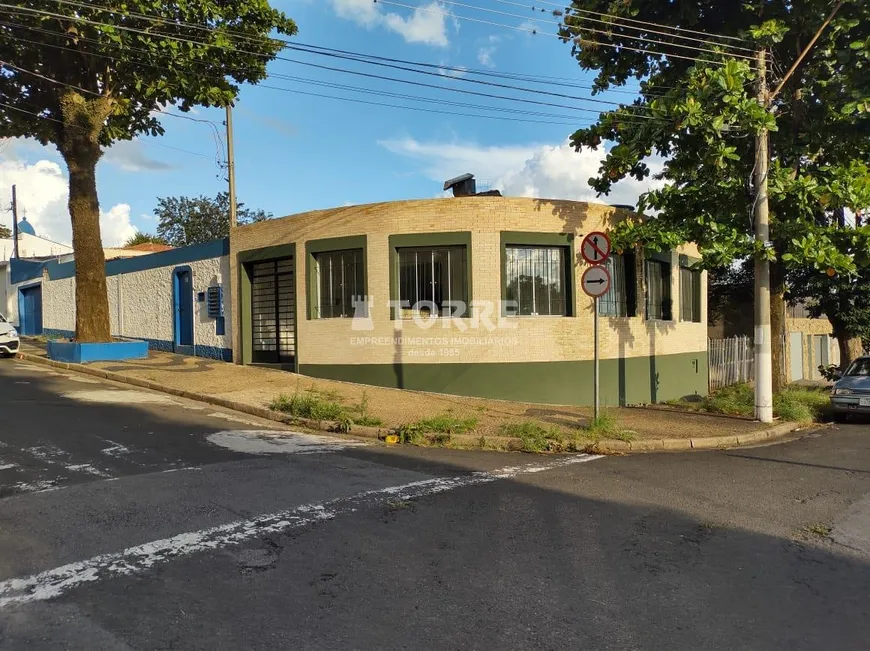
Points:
[[484, 442]]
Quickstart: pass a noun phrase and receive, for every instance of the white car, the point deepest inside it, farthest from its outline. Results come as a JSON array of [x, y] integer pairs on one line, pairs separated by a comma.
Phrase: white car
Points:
[[8, 338]]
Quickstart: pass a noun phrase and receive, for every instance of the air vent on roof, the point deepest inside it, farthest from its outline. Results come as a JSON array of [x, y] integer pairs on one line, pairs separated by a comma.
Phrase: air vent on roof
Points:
[[462, 186]]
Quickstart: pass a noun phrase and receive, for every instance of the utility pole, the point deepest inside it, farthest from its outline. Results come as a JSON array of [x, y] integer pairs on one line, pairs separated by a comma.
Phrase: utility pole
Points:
[[14, 223], [763, 343], [763, 356], [231, 166]]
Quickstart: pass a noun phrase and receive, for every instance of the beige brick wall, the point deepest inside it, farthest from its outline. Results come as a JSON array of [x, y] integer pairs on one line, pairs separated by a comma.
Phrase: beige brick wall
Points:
[[335, 341], [809, 327]]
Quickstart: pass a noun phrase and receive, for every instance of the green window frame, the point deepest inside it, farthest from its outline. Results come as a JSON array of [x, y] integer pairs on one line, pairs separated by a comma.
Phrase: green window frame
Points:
[[621, 299], [346, 257], [690, 290], [432, 269], [548, 260], [658, 284]]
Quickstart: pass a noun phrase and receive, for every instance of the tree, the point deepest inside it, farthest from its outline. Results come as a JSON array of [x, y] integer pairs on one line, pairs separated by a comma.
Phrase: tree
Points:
[[144, 238], [5, 232], [702, 116], [184, 221], [83, 76]]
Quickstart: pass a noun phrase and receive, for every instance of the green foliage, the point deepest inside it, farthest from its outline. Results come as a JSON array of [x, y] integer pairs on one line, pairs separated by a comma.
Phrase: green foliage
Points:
[[735, 400], [794, 404], [534, 437], [87, 75], [435, 431], [801, 405], [361, 415], [308, 404], [447, 424], [705, 120], [830, 373], [5, 232], [144, 238], [183, 221], [161, 56], [605, 426]]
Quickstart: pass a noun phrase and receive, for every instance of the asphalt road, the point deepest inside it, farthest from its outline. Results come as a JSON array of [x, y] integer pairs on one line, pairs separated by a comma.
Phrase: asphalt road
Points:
[[129, 520]]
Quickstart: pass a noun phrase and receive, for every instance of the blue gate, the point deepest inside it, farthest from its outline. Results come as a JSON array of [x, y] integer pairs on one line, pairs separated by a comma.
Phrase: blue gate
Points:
[[30, 310], [183, 306]]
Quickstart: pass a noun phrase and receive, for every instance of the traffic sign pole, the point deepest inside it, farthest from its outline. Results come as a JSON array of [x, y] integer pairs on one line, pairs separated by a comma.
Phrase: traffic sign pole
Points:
[[595, 282], [595, 375]]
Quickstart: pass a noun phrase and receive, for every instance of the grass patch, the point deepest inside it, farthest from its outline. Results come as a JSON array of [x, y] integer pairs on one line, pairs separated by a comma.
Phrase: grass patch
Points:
[[447, 424], [736, 400], [435, 431], [311, 404], [535, 437], [794, 404], [801, 405], [820, 530], [360, 413]]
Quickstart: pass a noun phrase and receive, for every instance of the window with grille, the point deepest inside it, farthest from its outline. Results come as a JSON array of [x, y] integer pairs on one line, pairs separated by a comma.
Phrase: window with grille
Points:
[[433, 281], [620, 298], [690, 294], [340, 284], [658, 290], [536, 281]]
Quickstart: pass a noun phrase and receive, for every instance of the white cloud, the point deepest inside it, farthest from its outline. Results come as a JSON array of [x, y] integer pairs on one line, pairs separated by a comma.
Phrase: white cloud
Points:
[[43, 190], [427, 24], [484, 56], [486, 53], [544, 171]]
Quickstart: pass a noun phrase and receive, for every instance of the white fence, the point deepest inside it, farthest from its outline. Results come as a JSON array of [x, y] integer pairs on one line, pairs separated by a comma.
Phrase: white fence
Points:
[[731, 361]]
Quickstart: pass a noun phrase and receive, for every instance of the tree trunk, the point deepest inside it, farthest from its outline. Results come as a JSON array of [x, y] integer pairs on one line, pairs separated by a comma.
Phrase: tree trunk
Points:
[[79, 146], [777, 324], [850, 345]]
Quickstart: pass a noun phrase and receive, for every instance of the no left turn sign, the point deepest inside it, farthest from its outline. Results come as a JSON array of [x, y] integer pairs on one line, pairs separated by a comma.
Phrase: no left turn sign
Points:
[[595, 281], [595, 247]]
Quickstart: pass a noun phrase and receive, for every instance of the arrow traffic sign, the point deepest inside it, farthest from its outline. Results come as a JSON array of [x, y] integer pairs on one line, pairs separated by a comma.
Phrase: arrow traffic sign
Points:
[[595, 281], [595, 247]]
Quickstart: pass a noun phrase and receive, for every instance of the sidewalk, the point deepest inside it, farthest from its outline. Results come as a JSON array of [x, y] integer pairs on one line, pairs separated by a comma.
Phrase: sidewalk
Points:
[[256, 387]]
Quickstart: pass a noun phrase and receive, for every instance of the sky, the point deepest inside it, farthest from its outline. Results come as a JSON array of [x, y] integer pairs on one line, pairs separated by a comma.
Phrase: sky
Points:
[[297, 152]]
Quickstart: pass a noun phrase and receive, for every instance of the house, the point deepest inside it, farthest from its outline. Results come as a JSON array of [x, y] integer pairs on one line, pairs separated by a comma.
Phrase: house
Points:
[[473, 295], [476, 295], [172, 298]]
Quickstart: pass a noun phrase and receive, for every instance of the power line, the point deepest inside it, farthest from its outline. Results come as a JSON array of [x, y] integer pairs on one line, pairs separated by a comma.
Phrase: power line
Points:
[[145, 142], [620, 21], [357, 89], [643, 22], [397, 80], [381, 64], [590, 29], [647, 52], [215, 133], [296, 45]]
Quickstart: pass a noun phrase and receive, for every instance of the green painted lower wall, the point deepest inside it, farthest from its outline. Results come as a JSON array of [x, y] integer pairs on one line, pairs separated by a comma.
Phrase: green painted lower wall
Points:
[[636, 380]]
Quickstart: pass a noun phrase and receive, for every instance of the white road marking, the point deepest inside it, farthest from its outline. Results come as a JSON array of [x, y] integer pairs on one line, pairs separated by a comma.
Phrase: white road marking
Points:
[[271, 442], [55, 582], [7, 466], [119, 397], [39, 486], [53, 455], [115, 450]]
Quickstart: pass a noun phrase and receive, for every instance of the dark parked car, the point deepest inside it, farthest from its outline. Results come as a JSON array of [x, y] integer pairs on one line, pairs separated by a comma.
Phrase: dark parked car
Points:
[[851, 393]]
